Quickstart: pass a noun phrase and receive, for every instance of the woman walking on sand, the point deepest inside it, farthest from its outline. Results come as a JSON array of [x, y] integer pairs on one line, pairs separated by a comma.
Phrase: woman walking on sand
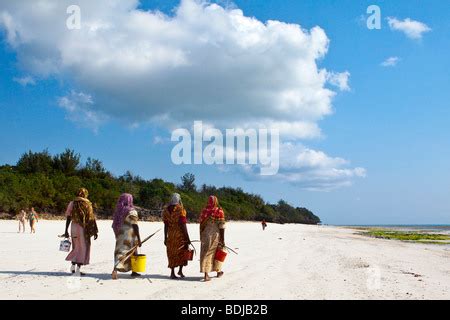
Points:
[[212, 237], [22, 216], [126, 230], [80, 215], [176, 237], [33, 218]]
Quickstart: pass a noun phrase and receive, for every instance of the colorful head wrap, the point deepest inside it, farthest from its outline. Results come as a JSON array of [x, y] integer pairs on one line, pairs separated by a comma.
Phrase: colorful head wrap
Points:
[[123, 208], [212, 210]]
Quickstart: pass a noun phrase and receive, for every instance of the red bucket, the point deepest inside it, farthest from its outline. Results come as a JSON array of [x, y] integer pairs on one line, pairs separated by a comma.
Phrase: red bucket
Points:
[[189, 255], [220, 255]]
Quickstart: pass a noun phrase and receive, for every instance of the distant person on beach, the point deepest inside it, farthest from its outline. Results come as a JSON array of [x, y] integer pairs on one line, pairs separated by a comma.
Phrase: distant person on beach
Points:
[[80, 215], [176, 236], [22, 217], [212, 237], [264, 224], [33, 219], [126, 230]]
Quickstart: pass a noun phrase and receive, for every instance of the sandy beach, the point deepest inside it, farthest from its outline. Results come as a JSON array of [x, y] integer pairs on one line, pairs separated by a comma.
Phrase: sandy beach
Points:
[[283, 262]]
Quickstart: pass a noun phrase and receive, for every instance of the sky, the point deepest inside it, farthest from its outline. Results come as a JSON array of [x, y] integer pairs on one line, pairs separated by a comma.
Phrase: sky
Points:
[[363, 113]]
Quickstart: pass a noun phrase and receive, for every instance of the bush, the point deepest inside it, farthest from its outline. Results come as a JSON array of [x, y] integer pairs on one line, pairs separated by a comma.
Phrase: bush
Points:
[[50, 183]]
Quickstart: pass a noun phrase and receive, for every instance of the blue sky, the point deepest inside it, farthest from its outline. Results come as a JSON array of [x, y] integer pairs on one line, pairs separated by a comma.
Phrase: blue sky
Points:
[[393, 122]]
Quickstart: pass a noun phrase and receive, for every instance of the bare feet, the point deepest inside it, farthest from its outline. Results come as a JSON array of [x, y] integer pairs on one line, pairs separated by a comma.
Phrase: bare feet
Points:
[[180, 273], [173, 276], [114, 275], [207, 278], [135, 274], [219, 274]]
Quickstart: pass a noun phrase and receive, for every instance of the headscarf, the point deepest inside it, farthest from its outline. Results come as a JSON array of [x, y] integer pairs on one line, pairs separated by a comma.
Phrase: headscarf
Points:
[[212, 210], [83, 213], [123, 208], [175, 206], [175, 199]]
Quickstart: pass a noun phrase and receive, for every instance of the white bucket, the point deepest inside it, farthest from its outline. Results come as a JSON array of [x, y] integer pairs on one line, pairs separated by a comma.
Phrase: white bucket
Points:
[[65, 245]]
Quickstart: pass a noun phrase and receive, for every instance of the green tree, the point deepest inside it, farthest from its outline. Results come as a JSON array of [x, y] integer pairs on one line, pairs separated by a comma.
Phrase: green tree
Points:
[[188, 182], [67, 162], [34, 162]]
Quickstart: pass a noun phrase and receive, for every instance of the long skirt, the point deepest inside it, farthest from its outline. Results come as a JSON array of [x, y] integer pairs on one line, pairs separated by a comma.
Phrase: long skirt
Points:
[[175, 240], [209, 238], [81, 247], [125, 241]]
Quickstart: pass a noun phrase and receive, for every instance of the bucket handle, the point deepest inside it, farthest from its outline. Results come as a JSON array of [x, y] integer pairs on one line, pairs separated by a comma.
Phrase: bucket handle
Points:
[[195, 251]]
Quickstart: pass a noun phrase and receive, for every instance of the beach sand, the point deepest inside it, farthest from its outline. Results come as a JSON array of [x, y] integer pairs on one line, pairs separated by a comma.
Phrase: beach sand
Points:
[[283, 262]]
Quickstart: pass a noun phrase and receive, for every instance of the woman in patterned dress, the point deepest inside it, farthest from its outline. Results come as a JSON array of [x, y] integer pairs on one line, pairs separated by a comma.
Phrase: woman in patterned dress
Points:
[[126, 230], [80, 215], [212, 237], [176, 237]]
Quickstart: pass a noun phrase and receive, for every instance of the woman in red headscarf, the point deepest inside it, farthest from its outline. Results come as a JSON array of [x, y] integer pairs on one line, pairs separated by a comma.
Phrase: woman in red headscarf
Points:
[[212, 237]]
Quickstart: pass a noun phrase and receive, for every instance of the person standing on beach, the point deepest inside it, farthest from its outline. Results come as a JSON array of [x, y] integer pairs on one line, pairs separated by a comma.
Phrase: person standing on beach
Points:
[[264, 224], [22, 216], [176, 237], [212, 237], [33, 219], [80, 215], [126, 230]]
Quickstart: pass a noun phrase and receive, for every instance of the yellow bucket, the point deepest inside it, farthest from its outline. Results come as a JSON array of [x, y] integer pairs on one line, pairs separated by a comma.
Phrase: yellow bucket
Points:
[[138, 263]]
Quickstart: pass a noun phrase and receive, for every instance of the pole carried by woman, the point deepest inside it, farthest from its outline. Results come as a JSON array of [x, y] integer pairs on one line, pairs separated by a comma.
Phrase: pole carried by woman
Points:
[[176, 236], [80, 215], [126, 230], [212, 237]]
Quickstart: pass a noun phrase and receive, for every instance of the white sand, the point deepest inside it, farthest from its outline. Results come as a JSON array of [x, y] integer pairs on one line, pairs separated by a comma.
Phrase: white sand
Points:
[[283, 262]]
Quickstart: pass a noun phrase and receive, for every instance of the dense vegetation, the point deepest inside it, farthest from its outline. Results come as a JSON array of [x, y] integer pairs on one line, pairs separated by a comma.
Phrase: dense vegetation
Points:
[[49, 182]]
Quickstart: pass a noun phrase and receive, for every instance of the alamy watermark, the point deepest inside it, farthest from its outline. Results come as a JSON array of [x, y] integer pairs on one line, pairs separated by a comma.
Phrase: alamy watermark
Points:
[[373, 278], [258, 147], [374, 19], [73, 22]]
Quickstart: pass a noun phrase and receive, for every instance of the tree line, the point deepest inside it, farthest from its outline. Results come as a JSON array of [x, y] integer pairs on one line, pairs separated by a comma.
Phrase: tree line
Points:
[[48, 183]]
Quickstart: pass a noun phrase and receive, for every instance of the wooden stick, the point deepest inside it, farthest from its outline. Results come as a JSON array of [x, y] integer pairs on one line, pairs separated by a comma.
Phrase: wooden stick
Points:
[[132, 250]]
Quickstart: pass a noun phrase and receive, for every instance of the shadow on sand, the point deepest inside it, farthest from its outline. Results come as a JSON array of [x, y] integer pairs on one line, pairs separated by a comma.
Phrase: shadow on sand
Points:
[[167, 277], [99, 276]]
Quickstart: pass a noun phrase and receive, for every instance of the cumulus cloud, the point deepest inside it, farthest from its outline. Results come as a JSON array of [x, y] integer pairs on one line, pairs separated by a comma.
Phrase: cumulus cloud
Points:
[[203, 62], [390, 62], [339, 80], [411, 28], [25, 81], [79, 108], [307, 168]]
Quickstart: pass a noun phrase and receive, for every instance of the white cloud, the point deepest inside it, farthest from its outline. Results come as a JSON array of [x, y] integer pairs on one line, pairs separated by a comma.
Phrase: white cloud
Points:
[[160, 140], [309, 169], [79, 108], [339, 80], [411, 28], [25, 81], [203, 62], [390, 62]]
